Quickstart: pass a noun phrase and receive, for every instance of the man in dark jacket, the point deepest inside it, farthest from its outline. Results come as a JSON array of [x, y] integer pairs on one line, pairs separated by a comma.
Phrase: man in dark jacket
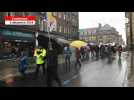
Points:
[[102, 51], [97, 51], [52, 66]]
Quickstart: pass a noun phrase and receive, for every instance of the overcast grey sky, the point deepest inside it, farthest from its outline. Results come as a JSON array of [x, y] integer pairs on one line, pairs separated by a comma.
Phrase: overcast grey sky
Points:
[[115, 19]]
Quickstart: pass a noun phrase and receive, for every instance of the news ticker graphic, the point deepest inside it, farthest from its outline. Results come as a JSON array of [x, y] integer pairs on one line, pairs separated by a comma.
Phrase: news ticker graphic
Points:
[[20, 20]]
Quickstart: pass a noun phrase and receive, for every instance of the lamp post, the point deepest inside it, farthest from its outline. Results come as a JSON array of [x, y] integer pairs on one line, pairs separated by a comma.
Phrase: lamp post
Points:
[[36, 40]]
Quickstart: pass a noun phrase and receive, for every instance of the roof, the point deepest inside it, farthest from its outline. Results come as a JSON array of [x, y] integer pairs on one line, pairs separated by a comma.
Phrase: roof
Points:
[[107, 29], [89, 30]]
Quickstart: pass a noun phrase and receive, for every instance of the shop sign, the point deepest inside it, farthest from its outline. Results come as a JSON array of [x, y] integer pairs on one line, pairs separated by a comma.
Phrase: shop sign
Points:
[[16, 34]]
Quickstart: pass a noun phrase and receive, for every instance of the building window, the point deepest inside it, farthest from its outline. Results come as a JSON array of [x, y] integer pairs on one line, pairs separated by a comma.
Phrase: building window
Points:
[[10, 13], [68, 30], [68, 16], [59, 14], [64, 14], [23, 13], [64, 17], [42, 12], [42, 25], [7, 13], [54, 14], [64, 30], [59, 28], [19, 13], [27, 13]]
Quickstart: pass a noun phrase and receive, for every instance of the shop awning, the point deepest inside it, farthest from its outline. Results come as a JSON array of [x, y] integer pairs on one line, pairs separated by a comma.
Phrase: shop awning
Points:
[[16, 36]]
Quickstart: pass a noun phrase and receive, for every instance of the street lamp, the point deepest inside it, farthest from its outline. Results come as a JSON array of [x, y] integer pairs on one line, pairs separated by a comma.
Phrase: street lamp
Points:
[[36, 40]]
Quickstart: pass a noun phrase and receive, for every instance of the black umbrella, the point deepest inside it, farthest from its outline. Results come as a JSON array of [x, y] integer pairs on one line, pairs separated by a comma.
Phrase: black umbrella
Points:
[[44, 41]]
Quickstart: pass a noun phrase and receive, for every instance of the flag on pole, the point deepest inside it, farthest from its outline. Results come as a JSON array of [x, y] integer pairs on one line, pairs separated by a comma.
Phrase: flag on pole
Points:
[[51, 21]]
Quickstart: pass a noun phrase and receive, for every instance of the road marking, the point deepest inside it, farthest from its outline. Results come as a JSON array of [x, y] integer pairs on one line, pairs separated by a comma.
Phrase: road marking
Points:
[[68, 81]]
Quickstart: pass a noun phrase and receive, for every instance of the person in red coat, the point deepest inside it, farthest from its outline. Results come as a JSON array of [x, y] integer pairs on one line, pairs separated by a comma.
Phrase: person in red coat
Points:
[[77, 55]]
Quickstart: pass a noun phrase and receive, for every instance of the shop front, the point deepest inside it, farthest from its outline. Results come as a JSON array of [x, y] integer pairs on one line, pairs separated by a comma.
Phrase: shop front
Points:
[[12, 42]]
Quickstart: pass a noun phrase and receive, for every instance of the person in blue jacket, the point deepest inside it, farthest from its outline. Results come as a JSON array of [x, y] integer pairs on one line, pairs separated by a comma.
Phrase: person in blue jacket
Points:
[[23, 63]]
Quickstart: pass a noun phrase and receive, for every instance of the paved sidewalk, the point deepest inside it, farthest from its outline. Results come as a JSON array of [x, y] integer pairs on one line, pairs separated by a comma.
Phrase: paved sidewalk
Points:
[[129, 81]]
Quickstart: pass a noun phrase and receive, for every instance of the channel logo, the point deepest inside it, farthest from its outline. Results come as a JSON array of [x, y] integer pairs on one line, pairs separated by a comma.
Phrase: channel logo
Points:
[[20, 20]]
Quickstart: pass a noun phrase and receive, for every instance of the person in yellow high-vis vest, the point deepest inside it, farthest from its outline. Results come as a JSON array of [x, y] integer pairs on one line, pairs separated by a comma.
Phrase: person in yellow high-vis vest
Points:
[[40, 54]]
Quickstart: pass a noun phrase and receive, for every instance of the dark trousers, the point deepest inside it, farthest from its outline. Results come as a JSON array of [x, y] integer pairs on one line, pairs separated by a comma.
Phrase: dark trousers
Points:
[[92, 53], [77, 62], [67, 64], [82, 56], [52, 74], [38, 67], [87, 56], [97, 54]]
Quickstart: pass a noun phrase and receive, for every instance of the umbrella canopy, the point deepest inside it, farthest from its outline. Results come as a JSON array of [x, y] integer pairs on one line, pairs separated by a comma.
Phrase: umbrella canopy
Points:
[[78, 44], [44, 41]]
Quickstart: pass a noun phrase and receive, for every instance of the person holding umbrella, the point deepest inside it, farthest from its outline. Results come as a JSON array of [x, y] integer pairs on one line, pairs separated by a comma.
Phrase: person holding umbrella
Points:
[[78, 57], [52, 66]]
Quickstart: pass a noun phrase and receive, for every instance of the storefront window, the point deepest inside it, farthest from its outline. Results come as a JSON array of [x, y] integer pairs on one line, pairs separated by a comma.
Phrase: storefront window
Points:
[[14, 40]]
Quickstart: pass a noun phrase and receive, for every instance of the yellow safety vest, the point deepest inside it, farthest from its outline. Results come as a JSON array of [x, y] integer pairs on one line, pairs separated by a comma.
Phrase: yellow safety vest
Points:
[[39, 57]]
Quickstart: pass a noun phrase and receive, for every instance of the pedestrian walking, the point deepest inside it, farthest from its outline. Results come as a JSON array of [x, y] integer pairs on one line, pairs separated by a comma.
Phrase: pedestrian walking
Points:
[[82, 53], [40, 54], [67, 55], [78, 58], [87, 52], [119, 51], [102, 51], [23, 63], [92, 51], [106, 51], [109, 54], [97, 52], [52, 67]]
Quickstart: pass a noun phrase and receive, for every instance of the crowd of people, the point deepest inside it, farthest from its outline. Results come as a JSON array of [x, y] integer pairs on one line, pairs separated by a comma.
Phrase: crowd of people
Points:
[[16, 51], [97, 51], [94, 52], [49, 57]]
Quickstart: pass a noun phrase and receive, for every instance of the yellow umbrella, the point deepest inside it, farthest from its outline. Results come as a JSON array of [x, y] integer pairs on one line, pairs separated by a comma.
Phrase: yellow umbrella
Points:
[[78, 44]]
